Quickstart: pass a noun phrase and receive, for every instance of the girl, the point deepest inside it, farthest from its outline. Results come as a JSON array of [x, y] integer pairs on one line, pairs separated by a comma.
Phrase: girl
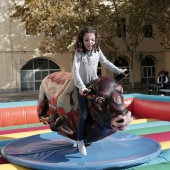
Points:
[[84, 70]]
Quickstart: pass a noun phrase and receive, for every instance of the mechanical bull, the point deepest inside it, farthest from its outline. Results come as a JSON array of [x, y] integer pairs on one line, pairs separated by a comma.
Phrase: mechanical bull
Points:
[[58, 106]]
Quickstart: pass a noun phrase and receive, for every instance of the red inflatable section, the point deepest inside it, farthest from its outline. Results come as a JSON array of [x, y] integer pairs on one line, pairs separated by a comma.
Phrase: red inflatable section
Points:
[[149, 108], [18, 116], [152, 109]]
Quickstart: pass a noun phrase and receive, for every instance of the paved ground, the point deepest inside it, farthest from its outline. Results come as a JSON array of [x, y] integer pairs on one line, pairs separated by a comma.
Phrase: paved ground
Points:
[[19, 96], [24, 96]]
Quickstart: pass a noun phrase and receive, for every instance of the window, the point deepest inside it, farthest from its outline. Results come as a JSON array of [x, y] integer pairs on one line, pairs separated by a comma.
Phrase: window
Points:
[[121, 27], [27, 32], [148, 28], [147, 71], [35, 71]]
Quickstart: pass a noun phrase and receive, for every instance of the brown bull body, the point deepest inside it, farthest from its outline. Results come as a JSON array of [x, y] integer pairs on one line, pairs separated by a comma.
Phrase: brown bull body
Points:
[[58, 106]]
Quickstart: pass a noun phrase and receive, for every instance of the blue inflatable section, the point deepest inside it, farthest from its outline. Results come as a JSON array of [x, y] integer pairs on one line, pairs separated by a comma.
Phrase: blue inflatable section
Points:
[[147, 97], [52, 151], [18, 104]]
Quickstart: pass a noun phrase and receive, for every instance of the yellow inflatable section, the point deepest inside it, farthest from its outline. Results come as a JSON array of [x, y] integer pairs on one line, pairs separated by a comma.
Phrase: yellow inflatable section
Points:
[[12, 167]]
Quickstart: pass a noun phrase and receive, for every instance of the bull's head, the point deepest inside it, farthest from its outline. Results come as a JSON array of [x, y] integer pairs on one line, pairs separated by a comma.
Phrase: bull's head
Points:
[[106, 104]]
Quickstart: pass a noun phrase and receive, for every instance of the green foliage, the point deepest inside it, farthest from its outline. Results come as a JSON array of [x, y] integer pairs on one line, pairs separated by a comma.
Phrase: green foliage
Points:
[[60, 21]]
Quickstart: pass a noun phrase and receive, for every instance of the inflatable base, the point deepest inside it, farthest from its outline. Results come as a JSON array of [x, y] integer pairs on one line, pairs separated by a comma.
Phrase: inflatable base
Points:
[[52, 151]]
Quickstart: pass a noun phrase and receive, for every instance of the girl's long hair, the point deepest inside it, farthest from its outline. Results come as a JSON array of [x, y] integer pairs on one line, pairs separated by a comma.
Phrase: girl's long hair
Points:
[[79, 46]]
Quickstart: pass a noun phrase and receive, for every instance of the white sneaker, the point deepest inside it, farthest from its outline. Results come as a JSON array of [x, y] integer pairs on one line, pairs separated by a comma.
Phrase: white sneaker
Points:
[[81, 147]]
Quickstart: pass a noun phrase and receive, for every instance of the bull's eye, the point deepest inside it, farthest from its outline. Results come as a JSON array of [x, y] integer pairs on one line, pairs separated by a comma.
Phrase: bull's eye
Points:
[[100, 100]]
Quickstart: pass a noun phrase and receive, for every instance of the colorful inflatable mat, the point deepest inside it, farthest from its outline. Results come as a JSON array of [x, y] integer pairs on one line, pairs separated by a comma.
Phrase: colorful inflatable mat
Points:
[[19, 120]]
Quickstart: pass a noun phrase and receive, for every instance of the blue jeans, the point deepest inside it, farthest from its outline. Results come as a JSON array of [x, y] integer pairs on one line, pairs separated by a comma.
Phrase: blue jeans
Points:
[[82, 115]]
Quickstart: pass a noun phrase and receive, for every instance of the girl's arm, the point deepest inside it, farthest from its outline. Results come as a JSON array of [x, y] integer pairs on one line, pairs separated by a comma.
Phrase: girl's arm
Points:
[[166, 79], [158, 80], [110, 66], [75, 71]]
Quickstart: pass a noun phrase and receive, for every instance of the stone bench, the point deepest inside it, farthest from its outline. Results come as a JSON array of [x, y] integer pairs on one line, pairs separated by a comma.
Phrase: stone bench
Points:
[[165, 90]]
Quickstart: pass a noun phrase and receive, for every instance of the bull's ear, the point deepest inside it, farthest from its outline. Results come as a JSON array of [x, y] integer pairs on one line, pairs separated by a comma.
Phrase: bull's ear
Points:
[[92, 91], [93, 88]]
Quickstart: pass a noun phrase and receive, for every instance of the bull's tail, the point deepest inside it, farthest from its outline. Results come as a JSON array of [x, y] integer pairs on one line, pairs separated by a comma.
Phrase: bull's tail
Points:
[[43, 106]]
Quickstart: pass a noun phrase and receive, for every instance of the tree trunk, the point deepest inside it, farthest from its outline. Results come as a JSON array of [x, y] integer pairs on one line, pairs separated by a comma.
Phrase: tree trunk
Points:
[[131, 68]]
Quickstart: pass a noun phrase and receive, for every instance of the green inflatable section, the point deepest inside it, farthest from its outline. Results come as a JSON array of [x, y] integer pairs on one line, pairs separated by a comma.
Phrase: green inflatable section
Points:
[[160, 166], [21, 126], [149, 130]]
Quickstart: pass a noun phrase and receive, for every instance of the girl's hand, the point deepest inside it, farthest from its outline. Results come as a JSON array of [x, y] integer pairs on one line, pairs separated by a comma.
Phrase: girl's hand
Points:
[[82, 90], [123, 71]]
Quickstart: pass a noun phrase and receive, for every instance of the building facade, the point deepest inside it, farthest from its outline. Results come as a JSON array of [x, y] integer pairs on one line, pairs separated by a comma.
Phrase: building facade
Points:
[[22, 66]]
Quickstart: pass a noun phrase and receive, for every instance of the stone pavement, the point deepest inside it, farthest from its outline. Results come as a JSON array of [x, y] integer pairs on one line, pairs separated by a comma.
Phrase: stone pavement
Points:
[[25, 96]]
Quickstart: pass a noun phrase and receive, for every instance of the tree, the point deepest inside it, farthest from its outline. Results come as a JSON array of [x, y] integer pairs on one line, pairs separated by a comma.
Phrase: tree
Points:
[[60, 21], [138, 11]]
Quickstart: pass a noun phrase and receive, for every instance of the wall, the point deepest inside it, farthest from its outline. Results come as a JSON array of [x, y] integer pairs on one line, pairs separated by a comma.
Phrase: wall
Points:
[[167, 62], [16, 49]]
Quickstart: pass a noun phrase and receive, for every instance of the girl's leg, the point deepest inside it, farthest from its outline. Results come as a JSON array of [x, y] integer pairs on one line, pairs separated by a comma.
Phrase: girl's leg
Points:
[[82, 115], [81, 121]]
